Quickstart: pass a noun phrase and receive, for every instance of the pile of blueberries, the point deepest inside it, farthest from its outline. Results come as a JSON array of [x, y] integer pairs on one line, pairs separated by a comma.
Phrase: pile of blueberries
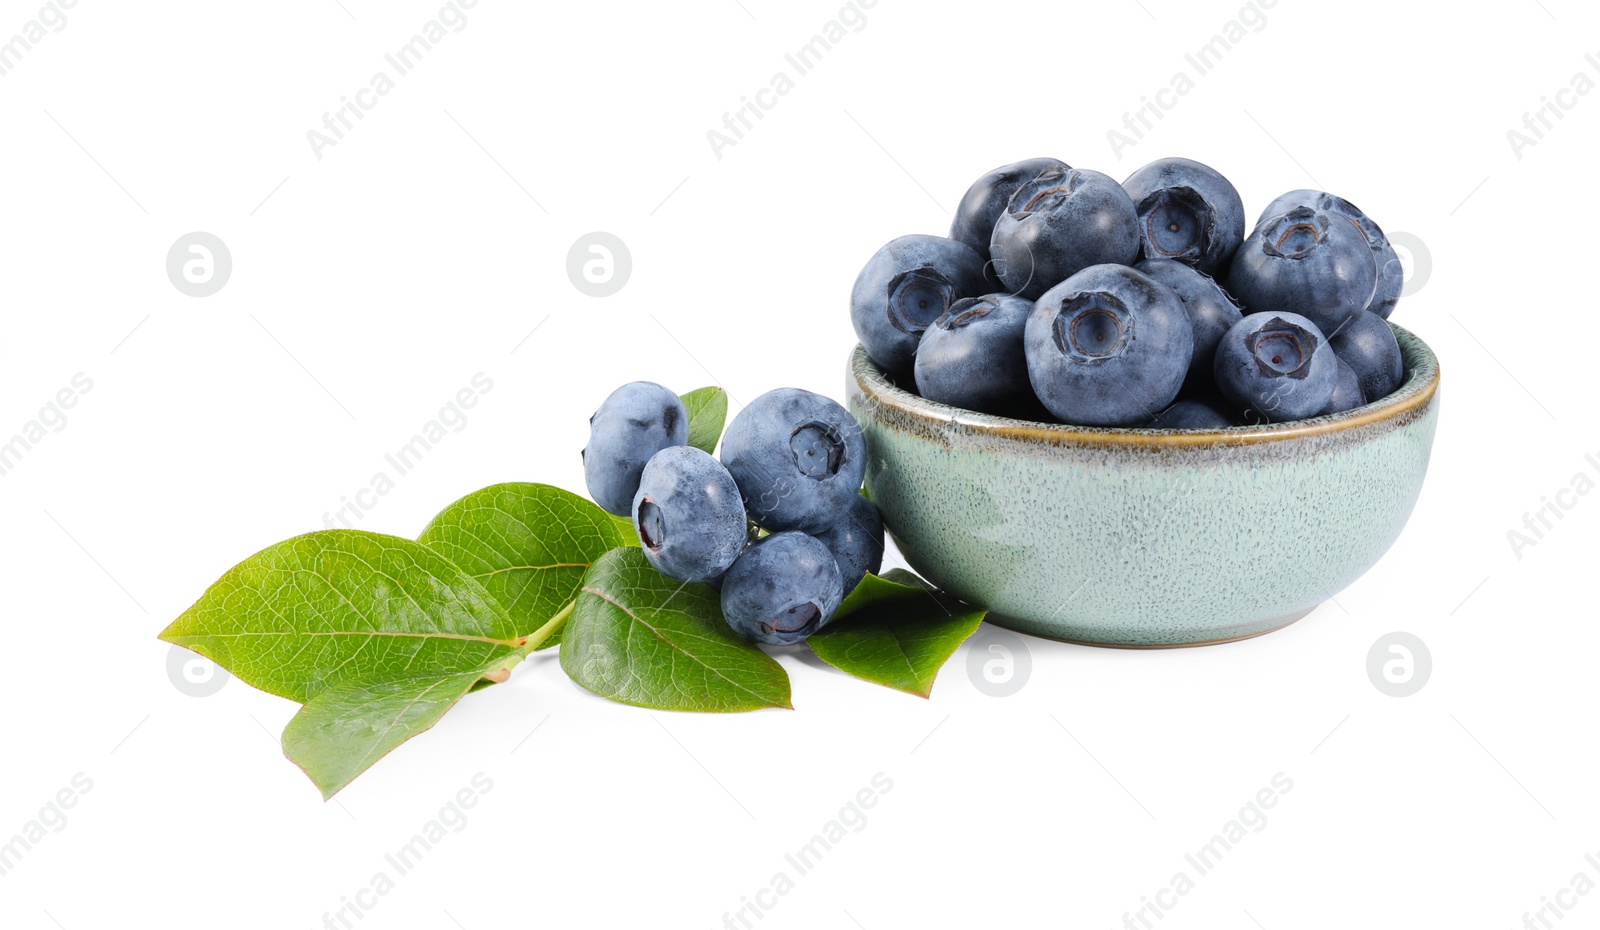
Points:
[[778, 525], [1063, 295]]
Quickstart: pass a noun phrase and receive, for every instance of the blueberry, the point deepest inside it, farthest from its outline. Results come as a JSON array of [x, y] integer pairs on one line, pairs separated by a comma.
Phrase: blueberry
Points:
[[1108, 347], [856, 542], [972, 356], [1058, 224], [1367, 344], [716, 583], [635, 422], [1346, 389], [1276, 366], [797, 457], [1191, 413], [1307, 262], [984, 201], [783, 589], [1391, 279], [1391, 274], [1211, 311], [904, 288], [688, 514], [1188, 212]]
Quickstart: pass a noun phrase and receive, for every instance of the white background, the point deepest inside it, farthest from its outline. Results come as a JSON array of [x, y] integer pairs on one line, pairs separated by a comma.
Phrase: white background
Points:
[[371, 284]]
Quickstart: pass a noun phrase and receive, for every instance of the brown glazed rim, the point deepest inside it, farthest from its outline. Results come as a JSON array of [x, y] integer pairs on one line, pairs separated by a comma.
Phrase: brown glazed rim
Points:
[[1414, 394]]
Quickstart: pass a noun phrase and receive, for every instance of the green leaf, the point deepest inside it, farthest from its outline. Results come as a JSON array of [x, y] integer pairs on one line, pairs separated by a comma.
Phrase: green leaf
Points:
[[641, 638], [527, 544], [340, 605], [895, 631], [350, 725], [900, 576], [708, 411], [630, 533]]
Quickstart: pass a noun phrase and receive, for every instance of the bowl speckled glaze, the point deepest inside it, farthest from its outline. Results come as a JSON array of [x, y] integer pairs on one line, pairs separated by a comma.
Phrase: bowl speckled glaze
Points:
[[1133, 537]]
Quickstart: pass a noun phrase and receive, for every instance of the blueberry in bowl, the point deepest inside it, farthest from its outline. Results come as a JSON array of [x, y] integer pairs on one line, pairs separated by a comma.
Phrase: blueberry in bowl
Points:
[[1199, 464], [1276, 366], [904, 287], [1368, 346], [1109, 346], [1347, 393], [1188, 212], [1391, 274], [983, 202], [973, 356], [1058, 224], [1211, 311], [1192, 413], [1308, 262]]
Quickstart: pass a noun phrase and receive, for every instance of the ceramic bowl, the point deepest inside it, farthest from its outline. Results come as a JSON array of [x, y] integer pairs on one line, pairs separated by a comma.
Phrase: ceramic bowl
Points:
[[1135, 537]]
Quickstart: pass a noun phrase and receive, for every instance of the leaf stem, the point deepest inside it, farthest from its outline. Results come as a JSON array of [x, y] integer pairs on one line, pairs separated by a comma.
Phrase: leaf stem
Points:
[[501, 672], [551, 627]]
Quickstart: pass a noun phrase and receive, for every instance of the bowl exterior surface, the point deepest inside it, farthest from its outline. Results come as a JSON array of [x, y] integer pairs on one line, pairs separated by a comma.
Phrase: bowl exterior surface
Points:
[[1139, 537]]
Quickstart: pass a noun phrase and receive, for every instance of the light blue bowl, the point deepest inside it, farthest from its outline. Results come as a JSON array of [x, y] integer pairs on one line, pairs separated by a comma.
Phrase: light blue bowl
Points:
[[1133, 537]]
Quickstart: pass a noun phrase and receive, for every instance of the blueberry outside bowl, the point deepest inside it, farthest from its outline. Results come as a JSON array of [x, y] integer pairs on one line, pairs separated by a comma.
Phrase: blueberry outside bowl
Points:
[[1145, 538]]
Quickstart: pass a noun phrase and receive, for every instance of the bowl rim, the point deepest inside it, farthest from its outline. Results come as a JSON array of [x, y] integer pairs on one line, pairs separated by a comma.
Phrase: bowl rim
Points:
[[1415, 392]]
